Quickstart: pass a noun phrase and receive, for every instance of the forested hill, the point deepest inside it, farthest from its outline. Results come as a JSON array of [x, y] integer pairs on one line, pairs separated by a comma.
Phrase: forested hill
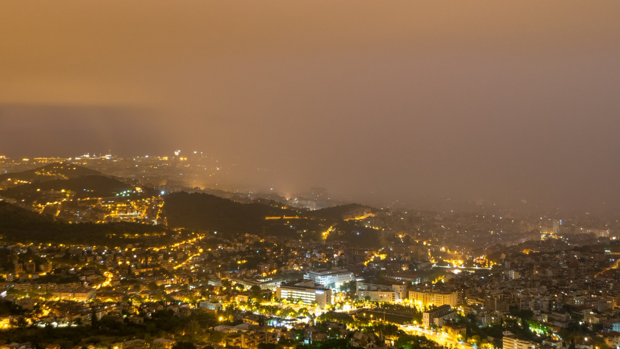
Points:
[[209, 212], [342, 212]]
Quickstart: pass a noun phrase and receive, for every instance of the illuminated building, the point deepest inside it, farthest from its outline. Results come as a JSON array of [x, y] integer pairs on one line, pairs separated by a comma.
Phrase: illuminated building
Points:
[[333, 278], [306, 293], [434, 298], [381, 293], [264, 284], [81, 294], [510, 342], [436, 316]]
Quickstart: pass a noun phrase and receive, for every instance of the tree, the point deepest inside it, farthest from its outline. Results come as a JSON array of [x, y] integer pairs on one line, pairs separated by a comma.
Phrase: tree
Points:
[[204, 318], [407, 341], [287, 342], [349, 286], [21, 322], [256, 294], [184, 345], [268, 346], [572, 344], [217, 337], [526, 328], [192, 329]]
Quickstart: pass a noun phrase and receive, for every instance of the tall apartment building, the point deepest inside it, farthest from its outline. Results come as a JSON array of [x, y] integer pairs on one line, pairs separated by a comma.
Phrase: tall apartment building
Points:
[[439, 313], [434, 298], [400, 291], [514, 274], [510, 342], [381, 293], [306, 292]]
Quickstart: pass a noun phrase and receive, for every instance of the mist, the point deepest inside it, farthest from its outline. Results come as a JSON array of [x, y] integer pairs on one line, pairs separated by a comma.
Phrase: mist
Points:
[[377, 102]]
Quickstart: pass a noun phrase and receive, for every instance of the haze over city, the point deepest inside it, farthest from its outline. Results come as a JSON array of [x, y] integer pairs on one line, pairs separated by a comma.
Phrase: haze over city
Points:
[[325, 174], [416, 101]]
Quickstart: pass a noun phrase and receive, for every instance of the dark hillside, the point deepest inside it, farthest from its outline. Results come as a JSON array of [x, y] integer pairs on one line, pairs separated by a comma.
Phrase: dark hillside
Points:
[[209, 212], [20, 225], [341, 212]]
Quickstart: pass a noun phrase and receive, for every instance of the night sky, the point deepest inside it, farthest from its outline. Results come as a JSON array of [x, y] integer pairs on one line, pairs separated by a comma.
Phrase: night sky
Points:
[[374, 100]]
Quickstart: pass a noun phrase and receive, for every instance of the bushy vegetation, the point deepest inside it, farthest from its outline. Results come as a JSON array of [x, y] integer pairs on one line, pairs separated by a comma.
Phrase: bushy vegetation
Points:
[[108, 330]]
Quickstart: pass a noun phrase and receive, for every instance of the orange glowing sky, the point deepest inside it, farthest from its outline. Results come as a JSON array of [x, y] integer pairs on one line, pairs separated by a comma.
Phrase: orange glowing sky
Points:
[[372, 99]]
